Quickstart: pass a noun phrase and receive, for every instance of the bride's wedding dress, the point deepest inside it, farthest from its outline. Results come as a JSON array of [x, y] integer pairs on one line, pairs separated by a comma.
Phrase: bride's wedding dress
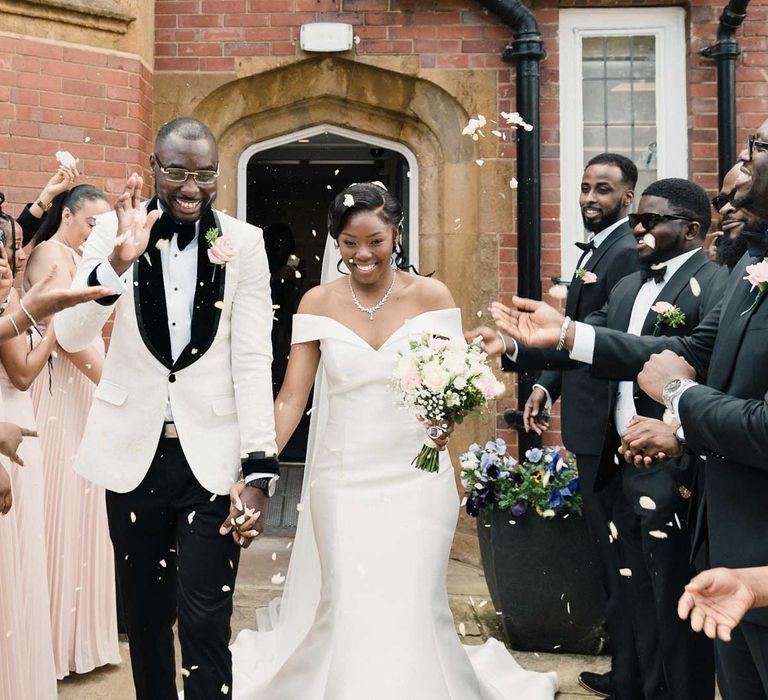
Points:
[[365, 612]]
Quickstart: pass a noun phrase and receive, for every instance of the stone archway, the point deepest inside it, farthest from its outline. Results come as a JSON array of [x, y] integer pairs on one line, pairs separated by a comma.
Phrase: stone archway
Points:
[[373, 101]]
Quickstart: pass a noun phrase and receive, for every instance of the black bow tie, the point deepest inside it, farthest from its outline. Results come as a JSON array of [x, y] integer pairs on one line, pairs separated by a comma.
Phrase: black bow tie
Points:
[[586, 247], [653, 273], [166, 227]]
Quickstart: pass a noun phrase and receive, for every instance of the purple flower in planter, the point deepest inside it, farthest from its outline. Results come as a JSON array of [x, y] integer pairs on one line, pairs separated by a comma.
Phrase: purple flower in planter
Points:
[[518, 509], [488, 459], [534, 455]]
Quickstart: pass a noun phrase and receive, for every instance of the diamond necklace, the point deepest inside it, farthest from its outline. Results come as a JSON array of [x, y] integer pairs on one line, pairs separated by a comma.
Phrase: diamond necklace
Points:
[[373, 309]]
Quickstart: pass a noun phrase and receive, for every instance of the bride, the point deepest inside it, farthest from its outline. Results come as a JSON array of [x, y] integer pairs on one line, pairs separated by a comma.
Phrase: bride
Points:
[[365, 610]]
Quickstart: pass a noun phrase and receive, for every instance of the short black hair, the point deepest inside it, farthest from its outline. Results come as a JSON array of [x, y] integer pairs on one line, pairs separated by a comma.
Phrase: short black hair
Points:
[[627, 167], [187, 128], [686, 198]]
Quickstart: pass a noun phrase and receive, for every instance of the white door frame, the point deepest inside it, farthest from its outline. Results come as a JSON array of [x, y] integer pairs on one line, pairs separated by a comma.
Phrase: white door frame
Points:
[[667, 24], [413, 172]]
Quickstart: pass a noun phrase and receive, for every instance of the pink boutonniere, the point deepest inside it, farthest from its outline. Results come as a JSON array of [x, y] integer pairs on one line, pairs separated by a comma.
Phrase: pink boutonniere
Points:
[[667, 315], [585, 276], [221, 249], [757, 276]]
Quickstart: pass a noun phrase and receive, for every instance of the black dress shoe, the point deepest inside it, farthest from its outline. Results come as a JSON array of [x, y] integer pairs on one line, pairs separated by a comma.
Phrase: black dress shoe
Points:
[[601, 684]]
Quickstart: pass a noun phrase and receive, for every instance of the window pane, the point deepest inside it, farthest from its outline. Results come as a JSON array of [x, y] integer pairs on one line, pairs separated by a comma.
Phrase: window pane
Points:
[[619, 99]]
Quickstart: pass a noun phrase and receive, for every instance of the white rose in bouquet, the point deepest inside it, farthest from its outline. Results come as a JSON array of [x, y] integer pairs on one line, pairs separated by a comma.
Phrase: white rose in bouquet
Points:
[[434, 376]]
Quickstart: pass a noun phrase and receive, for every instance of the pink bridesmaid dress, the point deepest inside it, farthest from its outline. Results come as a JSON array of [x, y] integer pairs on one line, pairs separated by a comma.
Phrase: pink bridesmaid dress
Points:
[[26, 649], [81, 572]]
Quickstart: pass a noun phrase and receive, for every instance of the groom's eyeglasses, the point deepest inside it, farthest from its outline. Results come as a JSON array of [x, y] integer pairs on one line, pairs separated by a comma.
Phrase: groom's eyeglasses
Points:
[[201, 177], [650, 221]]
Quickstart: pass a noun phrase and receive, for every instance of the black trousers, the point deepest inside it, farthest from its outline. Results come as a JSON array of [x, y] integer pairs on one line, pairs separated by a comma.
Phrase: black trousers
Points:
[[742, 663], [171, 561], [675, 662], [598, 512]]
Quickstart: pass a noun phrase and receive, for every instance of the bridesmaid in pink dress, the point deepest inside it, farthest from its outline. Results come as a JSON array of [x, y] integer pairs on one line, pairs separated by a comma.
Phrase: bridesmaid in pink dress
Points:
[[26, 647], [81, 574]]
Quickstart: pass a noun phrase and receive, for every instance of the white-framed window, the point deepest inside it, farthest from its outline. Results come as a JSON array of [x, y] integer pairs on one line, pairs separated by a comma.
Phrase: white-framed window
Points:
[[622, 89]]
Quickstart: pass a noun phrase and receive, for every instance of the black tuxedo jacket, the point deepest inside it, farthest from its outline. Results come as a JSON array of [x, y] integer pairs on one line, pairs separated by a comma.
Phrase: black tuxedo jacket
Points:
[[725, 419], [583, 393]]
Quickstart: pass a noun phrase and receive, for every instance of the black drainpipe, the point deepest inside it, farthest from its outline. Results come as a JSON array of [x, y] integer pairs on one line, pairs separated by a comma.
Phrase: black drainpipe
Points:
[[725, 51], [526, 51]]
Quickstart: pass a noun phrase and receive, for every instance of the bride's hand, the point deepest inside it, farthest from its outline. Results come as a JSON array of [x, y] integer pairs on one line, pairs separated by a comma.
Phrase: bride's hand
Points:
[[446, 425], [246, 514]]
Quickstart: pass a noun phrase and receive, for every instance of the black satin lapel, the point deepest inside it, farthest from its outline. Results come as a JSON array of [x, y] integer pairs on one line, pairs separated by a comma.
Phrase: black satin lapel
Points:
[[625, 303], [730, 335], [674, 286], [209, 290], [149, 301]]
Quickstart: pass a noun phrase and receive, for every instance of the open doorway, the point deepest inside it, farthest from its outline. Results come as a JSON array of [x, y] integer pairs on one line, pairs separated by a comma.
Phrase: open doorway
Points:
[[285, 187]]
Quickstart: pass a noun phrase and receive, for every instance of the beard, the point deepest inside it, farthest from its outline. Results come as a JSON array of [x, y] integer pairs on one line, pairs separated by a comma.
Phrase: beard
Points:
[[608, 219], [731, 250]]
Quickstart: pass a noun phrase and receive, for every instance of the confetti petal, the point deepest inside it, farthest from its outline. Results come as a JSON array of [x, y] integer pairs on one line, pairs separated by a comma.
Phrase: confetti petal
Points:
[[658, 534], [278, 578], [133, 517], [647, 503], [695, 286], [625, 572], [650, 240], [349, 200], [614, 530], [191, 517]]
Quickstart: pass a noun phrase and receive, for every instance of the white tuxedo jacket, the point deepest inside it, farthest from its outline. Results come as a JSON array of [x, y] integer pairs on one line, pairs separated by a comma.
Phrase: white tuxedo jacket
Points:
[[220, 387]]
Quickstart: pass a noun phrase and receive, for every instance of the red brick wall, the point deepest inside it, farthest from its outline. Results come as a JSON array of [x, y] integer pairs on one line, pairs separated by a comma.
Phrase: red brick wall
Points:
[[95, 104]]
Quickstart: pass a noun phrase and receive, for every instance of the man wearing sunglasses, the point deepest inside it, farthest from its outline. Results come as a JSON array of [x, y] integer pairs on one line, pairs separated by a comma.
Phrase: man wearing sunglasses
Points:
[[737, 225], [184, 407], [714, 382]]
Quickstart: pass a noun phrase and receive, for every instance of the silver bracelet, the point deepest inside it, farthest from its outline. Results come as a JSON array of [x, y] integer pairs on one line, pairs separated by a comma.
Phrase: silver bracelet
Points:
[[13, 323], [29, 315], [563, 332]]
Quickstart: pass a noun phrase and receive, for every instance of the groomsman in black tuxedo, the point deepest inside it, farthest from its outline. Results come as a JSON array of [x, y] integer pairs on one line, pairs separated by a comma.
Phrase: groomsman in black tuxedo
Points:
[[723, 417], [607, 192]]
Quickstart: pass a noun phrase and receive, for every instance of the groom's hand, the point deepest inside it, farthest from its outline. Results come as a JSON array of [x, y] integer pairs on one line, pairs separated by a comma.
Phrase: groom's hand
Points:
[[533, 323], [247, 514]]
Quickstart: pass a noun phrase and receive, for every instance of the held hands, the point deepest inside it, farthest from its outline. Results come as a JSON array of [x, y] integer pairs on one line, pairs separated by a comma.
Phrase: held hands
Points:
[[133, 225], [648, 440], [11, 436], [717, 599], [533, 323], [248, 507], [661, 369], [535, 414]]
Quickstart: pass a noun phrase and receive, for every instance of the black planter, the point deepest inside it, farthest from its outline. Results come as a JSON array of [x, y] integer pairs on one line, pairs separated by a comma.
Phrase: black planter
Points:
[[543, 580]]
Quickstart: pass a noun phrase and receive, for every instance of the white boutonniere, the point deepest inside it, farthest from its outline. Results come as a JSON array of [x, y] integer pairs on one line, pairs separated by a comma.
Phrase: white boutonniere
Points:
[[586, 276], [667, 315], [757, 276]]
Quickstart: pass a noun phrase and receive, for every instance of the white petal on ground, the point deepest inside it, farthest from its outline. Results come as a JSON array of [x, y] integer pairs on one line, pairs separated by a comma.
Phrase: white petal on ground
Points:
[[480, 161], [695, 286], [658, 534], [513, 522], [650, 240], [496, 133], [278, 578], [625, 572], [274, 556], [462, 629], [289, 545], [647, 502]]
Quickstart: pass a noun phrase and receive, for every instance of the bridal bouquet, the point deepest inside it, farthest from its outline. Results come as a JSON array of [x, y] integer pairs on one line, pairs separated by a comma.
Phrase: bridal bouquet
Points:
[[442, 379], [547, 481]]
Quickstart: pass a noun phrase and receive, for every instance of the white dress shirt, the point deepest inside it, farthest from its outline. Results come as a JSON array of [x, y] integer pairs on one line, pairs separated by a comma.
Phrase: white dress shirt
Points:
[[596, 239], [584, 338]]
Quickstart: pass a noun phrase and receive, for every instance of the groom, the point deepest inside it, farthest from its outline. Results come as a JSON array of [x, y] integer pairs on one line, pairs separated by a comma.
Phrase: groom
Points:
[[183, 408]]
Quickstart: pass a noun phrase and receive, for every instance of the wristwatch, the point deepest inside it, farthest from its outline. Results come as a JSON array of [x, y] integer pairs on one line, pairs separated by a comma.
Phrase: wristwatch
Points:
[[673, 389], [267, 484]]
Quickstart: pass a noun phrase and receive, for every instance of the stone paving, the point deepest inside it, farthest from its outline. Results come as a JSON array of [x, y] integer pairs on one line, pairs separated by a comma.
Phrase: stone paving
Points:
[[469, 601]]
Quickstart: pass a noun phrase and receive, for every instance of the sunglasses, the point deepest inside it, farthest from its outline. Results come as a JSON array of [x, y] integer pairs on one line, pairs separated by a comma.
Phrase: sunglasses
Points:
[[650, 221], [720, 201], [201, 177], [753, 142]]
